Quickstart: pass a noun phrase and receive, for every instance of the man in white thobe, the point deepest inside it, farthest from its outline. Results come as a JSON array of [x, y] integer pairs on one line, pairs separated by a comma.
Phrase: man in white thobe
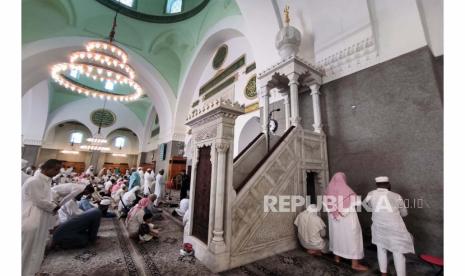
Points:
[[311, 231], [160, 187], [183, 206], [70, 208], [388, 230], [149, 180], [140, 171], [38, 212]]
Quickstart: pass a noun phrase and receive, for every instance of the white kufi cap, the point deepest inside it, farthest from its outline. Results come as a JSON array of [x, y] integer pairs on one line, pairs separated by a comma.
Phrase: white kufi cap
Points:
[[382, 179]]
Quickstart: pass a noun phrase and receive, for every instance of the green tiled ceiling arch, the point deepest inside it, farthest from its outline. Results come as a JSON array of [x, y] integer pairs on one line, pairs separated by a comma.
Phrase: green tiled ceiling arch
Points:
[[168, 47], [60, 96]]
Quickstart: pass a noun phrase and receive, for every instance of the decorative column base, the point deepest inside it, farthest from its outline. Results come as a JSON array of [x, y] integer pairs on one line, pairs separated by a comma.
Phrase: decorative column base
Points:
[[317, 128], [217, 244]]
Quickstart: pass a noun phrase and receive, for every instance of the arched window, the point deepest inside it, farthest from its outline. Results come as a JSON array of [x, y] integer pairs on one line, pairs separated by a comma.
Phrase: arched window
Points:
[[76, 138], [173, 6], [120, 142], [129, 3]]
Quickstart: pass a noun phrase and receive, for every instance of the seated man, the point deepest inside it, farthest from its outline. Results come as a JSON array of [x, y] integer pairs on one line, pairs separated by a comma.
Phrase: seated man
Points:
[[147, 230], [183, 206], [103, 206], [78, 231], [86, 203], [311, 230]]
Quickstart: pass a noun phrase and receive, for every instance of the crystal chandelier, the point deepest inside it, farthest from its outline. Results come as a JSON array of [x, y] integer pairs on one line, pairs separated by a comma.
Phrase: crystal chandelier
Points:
[[97, 70]]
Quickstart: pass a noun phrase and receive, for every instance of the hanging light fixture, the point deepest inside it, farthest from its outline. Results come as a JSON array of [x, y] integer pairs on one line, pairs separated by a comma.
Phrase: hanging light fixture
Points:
[[97, 142], [102, 66]]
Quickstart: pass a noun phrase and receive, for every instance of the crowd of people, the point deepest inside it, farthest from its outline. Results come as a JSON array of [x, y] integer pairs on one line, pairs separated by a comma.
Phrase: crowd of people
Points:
[[63, 209], [388, 230]]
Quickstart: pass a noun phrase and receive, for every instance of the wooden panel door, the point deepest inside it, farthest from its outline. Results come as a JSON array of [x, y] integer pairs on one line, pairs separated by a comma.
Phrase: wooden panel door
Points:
[[202, 195]]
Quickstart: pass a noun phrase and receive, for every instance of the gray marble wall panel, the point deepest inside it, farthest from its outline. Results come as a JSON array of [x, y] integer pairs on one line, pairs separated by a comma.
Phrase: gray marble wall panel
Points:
[[388, 120], [30, 153]]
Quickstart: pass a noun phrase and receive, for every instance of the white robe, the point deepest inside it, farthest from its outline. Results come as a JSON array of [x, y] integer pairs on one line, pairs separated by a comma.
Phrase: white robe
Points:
[[128, 198], [37, 219], [159, 188], [388, 229], [183, 206], [141, 174], [345, 235], [149, 183], [311, 230], [69, 210]]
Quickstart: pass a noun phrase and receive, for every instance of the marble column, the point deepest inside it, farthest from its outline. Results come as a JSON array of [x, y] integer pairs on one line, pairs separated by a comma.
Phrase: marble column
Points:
[[287, 110], [265, 100], [218, 244], [314, 88], [95, 155], [294, 92]]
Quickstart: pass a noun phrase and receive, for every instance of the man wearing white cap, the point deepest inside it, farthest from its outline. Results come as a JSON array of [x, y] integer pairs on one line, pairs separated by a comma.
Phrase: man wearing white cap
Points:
[[388, 229]]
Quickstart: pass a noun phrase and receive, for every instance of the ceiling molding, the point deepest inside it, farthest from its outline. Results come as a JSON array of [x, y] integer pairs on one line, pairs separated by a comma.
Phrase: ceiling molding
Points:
[[163, 19]]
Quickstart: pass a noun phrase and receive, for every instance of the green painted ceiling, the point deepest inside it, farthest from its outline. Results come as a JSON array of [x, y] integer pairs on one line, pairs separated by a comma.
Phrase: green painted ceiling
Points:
[[168, 47], [60, 96]]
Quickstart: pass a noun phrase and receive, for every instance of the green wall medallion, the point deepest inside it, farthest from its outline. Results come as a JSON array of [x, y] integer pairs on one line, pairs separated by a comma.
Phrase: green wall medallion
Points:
[[220, 57], [250, 91], [106, 117]]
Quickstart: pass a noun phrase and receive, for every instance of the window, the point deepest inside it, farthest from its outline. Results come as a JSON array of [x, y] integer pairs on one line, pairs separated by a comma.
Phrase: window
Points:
[[76, 138], [173, 6], [120, 142], [129, 3]]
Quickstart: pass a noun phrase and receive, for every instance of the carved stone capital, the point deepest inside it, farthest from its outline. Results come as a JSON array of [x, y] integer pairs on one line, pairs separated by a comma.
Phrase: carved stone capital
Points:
[[222, 147], [315, 89], [293, 77]]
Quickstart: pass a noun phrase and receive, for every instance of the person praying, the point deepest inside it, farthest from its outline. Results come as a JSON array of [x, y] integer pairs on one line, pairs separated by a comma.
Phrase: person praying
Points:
[[136, 214], [140, 171], [183, 206], [134, 179], [127, 200], [78, 231], [311, 231], [345, 232], [160, 187], [149, 180], [38, 211], [185, 184], [147, 230], [388, 231], [71, 207]]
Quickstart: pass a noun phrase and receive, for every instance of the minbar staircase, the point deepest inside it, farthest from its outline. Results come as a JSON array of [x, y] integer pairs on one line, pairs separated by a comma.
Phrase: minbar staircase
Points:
[[281, 171]]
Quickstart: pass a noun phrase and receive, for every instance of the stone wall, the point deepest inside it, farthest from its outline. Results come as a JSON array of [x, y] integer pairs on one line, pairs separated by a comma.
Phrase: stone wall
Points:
[[388, 120]]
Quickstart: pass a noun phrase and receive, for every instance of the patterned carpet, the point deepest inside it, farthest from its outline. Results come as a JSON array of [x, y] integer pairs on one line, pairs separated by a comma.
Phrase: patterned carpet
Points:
[[108, 256], [117, 255]]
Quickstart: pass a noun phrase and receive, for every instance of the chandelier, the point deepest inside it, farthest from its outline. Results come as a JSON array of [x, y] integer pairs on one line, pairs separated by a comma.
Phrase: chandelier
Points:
[[98, 70], [97, 142]]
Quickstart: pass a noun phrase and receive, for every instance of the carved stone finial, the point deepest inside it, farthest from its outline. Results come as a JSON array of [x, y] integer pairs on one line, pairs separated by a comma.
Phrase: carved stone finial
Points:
[[286, 14]]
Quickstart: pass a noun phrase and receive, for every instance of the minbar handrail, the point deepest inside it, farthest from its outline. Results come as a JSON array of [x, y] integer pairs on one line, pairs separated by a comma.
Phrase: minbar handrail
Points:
[[247, 147], [264, 159]]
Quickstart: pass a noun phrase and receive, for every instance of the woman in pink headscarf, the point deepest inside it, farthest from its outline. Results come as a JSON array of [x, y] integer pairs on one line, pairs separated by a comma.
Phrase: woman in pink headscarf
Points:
[[345, 233], [136, 215]]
